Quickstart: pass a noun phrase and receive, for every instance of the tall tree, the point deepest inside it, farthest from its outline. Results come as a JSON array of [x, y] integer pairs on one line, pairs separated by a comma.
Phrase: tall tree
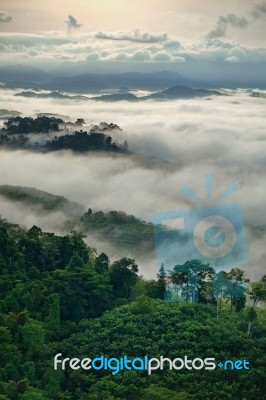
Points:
[[123, 276]]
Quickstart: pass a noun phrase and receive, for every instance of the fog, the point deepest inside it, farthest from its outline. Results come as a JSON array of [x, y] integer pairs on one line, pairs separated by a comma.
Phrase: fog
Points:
[[174, 143]]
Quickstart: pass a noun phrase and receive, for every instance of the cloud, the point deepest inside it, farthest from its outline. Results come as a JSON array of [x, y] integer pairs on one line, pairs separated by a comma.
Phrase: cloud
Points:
[[141, 56], [94, 56], [133, 36], [226, 21], [82, 50], [217, 50], [174, 143], [72, 23], [163, 56], [173, 45], [236, 55], [212, 44], [259, 11], [5, 17]]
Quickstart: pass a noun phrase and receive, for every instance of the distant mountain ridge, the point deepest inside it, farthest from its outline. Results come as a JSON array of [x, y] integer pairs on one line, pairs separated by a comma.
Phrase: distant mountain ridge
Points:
[[182, 92], [172, 93], [54, 95], [19, 73], [17, 76]]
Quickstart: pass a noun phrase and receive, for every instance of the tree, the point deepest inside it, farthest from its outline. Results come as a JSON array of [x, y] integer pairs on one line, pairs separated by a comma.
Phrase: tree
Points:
[[151, 287], [101, 263], [32, 336], [155, 392], [53, 319], [33, 394], [75, 263], [219, 288], [192, 276], [123, 276], [80, 121], [257, 294], [236, 288], [141, 305], [162, 282]]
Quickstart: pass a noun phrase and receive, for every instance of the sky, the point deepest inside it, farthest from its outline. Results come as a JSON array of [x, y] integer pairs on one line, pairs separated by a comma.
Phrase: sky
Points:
[[145, 35]]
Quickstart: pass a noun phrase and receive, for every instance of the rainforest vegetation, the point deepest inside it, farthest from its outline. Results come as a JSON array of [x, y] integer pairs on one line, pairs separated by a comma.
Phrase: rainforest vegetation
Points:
[[57, 294]]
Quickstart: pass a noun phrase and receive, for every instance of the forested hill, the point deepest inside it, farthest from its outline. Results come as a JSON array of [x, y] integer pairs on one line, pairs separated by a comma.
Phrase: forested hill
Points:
[[58, 295], [57, 134], [43, 200], [121, 231]]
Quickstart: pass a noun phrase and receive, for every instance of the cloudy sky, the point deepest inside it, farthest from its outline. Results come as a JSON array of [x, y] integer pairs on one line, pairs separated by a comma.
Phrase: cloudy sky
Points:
[[200, 37]]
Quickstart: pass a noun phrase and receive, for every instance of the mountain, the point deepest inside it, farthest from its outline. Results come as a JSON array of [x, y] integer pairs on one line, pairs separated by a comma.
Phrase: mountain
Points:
[[78, 84], [172, 93], [46, 201], [144, 81], [5, 114], [256, 93], [117, 97], [121, 230], [116, 228], [21, 74], [181, 92], [176, 92], [53, 95]]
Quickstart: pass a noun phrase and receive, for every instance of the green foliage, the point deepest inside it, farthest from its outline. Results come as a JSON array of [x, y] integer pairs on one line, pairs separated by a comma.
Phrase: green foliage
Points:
[[82, 142], [123, 276], [121, 230], [32, 197], [31, 336], [79, 141], [33, 394], [57, 294], [102, 263], [158, 393], [53, 318], [24, 125], [172, 330], [141, 306]]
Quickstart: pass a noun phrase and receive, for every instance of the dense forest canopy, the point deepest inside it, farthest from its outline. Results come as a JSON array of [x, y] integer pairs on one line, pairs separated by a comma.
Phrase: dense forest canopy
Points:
[[57, 294], [17, 131]]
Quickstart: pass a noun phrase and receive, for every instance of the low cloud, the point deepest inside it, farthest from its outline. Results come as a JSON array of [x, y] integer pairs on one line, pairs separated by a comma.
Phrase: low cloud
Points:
[[84, 51], [5, 17], [175, 144], [141, 56], [133, 36]]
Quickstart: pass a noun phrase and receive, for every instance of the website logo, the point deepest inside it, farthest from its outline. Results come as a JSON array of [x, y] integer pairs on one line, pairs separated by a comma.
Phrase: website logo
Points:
[[212, 232], [146, 363]]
